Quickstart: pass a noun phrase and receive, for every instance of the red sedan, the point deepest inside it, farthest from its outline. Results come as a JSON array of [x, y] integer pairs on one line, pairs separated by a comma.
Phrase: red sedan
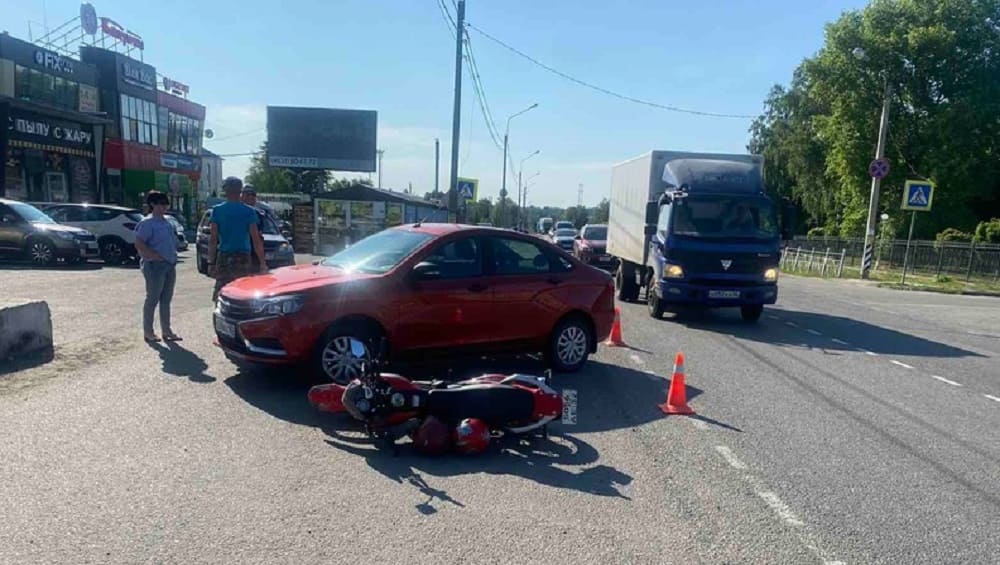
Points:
[[431, 289]]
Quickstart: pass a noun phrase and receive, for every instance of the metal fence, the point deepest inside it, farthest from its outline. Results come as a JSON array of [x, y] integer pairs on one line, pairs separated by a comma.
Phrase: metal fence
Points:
[[823, 262], [961, 259]]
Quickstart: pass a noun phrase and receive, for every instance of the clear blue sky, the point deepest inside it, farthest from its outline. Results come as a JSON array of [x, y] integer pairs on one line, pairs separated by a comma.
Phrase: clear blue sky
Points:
[[397, 57]]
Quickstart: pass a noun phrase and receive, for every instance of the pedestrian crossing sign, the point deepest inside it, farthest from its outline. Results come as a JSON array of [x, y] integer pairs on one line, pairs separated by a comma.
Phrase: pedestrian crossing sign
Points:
[[918, 195], [468, 189]]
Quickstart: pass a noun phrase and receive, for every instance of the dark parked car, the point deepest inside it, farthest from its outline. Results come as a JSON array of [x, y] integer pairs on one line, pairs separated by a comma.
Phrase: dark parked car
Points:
[[431, 289], [277, 250], [26, 231]]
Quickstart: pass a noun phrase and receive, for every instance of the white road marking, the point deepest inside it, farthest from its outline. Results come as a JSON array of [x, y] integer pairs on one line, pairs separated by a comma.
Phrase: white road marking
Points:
[[791, 324], [697, 423], [901, 364], [636, 359], [840, 341], [866, 352], [730, 458], [773, 317], [944, 380], [991, 397], [814, 332], [778, 506]]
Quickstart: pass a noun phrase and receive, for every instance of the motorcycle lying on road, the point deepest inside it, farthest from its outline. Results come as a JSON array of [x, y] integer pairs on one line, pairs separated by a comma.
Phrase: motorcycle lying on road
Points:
[[439, 416]]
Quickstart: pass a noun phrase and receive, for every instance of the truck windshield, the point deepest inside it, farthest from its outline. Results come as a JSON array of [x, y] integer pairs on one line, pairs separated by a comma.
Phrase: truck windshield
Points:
[[724, 217]]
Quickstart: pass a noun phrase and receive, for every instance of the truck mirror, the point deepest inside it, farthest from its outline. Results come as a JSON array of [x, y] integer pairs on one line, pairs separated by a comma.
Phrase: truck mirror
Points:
[[652, 213]]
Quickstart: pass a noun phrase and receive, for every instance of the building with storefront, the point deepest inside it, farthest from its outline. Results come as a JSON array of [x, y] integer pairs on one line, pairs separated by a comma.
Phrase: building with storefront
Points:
[[51, 129], [154, 140]]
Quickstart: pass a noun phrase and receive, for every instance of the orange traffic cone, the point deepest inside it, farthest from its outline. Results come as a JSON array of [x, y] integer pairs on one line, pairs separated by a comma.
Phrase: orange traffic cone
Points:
[[615, 340], [677, 395]]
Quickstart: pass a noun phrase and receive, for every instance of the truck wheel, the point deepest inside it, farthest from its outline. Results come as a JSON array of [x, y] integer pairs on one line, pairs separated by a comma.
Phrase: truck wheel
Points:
[[654, 303], [751, 313], [628, 291]]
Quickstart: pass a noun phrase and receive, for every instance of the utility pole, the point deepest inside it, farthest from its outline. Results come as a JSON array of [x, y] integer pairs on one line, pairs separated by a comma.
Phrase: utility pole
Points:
[[883, 129], [457, 116], [579, 196], [437, 165], [380, 153]]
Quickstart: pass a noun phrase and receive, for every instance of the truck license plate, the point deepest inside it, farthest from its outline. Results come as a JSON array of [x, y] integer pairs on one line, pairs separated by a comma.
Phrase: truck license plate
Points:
[[723, 294], [225, 327], [569, 406]]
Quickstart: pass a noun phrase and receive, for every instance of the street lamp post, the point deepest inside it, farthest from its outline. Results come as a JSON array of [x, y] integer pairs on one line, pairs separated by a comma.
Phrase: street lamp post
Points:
[[520, 204], [527, 184], [883, 130], [503, 184]]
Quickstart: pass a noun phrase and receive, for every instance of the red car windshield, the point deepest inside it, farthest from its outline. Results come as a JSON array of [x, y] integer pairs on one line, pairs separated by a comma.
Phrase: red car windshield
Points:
[[378, 253]]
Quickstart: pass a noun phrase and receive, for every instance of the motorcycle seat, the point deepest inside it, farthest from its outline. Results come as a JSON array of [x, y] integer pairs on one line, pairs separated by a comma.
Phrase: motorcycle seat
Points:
[[495, 404]]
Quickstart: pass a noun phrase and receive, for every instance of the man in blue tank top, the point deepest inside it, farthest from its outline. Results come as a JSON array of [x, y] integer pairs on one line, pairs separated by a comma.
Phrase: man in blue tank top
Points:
[[234, 235]]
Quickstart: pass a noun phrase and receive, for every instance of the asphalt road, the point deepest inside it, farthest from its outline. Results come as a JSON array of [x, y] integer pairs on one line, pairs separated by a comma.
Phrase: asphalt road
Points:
[[852, 424]]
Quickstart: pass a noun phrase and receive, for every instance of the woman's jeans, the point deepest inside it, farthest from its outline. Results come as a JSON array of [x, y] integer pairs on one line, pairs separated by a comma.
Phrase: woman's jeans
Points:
[[160, 278]]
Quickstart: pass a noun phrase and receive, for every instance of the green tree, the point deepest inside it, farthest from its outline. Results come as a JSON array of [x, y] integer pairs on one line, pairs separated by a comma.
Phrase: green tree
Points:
[[600, 214], [279, 180], [939, 58], [576, 214]]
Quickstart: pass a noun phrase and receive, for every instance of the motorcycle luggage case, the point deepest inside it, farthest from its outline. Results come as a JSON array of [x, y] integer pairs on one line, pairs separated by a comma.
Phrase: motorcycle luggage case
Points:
[[495, 404]]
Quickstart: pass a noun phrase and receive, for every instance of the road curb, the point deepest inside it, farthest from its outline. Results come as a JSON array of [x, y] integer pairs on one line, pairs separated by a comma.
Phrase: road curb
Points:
[[25, 330]]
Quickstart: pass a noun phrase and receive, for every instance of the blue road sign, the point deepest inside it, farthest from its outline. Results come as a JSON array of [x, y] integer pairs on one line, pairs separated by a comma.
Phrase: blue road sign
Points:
[[918, 195], [879, 168], [468, 189]]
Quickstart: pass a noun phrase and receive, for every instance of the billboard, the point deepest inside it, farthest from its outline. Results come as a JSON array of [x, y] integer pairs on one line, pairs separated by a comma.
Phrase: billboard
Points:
[[321, 138]]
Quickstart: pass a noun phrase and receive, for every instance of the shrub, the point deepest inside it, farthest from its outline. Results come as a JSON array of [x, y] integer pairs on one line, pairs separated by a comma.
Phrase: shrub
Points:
[[988, 232], [954, 234]]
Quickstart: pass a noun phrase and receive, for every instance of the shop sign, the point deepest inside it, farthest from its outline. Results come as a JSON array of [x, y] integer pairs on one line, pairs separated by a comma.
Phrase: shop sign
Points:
[[174, 87], [53, 62], [88, 98], [65, 132], [139, 74], [175, 161], [111, 27]]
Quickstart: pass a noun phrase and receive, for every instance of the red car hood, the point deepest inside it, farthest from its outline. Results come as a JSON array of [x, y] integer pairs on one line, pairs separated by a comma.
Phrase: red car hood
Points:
[[288, 280]]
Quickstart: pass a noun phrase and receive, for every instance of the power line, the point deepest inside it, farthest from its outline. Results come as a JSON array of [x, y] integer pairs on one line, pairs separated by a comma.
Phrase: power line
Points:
[[257, 130], [604, 90]]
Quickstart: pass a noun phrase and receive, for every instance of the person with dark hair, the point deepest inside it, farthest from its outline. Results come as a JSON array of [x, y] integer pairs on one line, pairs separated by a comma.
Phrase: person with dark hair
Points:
[[156, 242], [234, 234]]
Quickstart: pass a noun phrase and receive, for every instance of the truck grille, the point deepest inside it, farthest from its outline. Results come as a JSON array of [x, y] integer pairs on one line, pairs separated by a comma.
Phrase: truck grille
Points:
[[707, 262]]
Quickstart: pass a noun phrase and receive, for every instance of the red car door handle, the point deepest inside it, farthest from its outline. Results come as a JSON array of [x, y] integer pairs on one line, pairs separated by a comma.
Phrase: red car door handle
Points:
[[477, 287]]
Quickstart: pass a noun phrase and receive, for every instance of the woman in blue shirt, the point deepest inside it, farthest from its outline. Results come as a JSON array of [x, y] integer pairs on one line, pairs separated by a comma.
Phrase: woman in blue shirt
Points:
[[156, 242]]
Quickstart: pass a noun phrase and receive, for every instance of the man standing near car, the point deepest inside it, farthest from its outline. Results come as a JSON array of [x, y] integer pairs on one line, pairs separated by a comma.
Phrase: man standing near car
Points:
[[156, 242], [234, 235]]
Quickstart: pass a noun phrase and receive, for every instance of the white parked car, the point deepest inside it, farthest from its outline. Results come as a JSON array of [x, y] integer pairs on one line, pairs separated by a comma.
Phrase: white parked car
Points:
[[114, 227]]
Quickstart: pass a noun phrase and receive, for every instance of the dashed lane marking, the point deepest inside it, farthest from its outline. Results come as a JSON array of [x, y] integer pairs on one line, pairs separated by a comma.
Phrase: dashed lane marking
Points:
[[636, 359], [814, 332], [866, 352], [791, 324], [991, 397], [840, 341], [901, 364], [772, 317], [778, 506], [946, 381]]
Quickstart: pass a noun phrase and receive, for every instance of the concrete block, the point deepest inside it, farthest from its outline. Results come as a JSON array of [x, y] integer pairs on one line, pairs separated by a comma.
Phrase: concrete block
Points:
[[25, 329]]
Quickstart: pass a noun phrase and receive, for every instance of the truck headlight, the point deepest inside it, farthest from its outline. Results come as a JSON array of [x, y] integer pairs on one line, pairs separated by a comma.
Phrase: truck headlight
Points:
[[673, 272], [279, 305], [284, 249], [771, 274]]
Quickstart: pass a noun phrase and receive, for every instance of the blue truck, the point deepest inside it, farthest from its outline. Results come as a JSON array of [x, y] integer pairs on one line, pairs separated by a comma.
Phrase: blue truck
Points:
[[695, 230]]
